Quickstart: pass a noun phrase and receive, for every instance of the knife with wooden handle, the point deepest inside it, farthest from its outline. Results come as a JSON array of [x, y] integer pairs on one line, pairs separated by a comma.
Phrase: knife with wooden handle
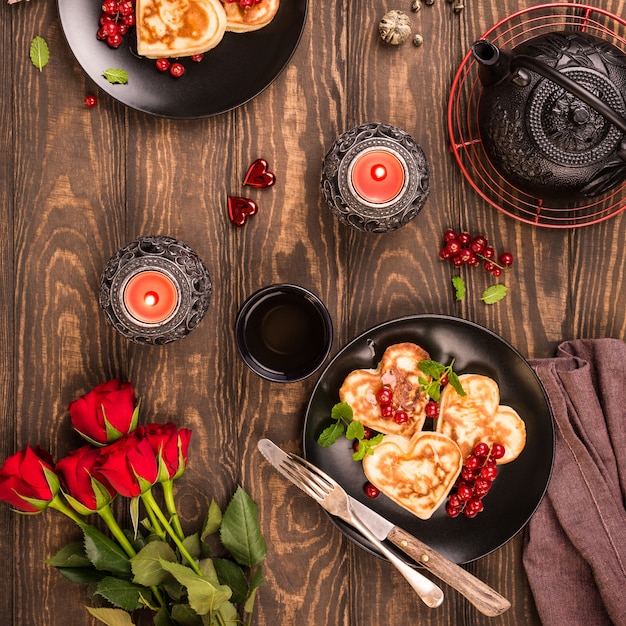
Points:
[[487, 600]]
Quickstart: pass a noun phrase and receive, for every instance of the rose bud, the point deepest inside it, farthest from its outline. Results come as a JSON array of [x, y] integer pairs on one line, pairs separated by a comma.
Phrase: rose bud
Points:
[[28, 481], [129, 465], [81, 488], [170, 445], [109, 411]]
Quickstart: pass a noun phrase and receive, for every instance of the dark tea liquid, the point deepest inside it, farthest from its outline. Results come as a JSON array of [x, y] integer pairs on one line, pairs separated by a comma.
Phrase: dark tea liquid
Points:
[[285, 333]]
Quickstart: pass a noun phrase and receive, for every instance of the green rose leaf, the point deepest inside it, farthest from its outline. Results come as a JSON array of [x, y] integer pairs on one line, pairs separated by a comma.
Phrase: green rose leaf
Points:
[[192, 543], [111, 617], [495, 293], [72, 555], [162, 618], [116, 76], [203, 595], [231, 574], [39, 52], [184, 615], [104, 553], [123, 594], [228, 613], [213, 521], [146, 565], [255, 582], [81, 575], [240, 531]]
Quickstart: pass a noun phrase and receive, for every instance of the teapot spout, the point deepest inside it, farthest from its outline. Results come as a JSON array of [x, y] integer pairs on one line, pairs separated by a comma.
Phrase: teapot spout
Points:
[[494, 65]]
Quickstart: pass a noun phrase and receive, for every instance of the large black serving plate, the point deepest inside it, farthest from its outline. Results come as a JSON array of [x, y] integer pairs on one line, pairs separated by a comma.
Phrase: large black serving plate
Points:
[[237, 70], [519, 486]]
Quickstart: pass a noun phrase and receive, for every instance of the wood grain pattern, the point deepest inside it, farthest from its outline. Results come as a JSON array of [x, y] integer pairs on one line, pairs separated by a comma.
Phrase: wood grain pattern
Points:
[[76, 184]]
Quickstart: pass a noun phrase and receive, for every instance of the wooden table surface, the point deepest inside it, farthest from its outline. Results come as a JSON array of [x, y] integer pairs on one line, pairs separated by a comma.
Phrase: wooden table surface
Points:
[[77, 183]]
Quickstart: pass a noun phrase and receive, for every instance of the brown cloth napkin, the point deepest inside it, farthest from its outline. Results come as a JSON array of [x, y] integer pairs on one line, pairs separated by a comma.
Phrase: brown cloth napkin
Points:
[[575, 548]]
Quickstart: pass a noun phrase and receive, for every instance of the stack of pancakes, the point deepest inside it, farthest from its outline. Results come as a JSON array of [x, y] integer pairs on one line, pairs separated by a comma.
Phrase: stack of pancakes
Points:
[[180, 28], [418, 468]]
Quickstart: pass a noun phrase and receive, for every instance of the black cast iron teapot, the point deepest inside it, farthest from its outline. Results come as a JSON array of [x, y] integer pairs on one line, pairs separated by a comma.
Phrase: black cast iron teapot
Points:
[[551, 114]]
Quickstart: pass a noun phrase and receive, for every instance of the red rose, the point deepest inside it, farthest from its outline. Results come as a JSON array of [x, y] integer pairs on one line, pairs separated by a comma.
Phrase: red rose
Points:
[[82, 489], [129, 465], [28, 481], [170, 445], [109, 411]]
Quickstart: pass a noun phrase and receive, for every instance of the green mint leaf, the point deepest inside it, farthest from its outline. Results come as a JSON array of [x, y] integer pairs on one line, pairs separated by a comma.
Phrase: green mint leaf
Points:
[[39, 52], [459, 287], [240, 531], [453, 380], [342, 411], [366, 447], [116, 76], [431, 368], [330, 434], [495, 293], [356, 430]]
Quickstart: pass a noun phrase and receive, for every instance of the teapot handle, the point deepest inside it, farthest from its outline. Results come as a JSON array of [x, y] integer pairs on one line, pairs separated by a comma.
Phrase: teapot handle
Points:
[[545, 70]]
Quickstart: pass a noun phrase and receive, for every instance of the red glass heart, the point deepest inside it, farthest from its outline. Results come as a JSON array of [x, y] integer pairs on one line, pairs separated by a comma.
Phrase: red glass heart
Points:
[[258, 175], [239, 209]]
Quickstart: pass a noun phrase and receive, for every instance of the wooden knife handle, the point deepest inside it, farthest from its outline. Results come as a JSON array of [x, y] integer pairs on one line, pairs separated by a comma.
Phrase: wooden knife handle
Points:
[[481, 595]]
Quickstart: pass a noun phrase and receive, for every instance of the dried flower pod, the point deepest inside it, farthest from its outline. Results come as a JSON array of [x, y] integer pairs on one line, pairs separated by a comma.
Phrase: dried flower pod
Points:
[[418, 40], [416, 5], [394, 27], [458, 7]]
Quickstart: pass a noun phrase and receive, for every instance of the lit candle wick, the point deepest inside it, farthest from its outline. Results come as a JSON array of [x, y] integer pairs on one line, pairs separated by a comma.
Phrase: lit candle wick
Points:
[[151, 298], [379, 172]]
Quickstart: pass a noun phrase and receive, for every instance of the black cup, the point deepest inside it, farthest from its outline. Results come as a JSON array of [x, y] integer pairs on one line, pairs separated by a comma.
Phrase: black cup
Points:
[[283, 332]]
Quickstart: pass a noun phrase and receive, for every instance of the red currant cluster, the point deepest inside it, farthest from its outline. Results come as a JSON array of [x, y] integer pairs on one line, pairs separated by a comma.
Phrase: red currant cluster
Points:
[[479, 471], [463, 249], [116, 18], [175, 68], [389, 410]]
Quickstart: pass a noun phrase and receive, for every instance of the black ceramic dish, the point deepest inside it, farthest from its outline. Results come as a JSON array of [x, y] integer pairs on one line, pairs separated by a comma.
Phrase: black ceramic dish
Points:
[[520, 485], [235, 71]]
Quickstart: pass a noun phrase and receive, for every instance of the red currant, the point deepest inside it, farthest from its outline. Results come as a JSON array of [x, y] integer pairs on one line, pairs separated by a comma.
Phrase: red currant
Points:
[[489, 472], [355, 445], [444, 380], [489, 252], [162, 65], [497, 451], [431, 409], [475, 504], [114, 41], [464, 492], [481, 449], [109, 7], [481, 487], [367, 432], [90, 101], [473, 462], [384, 395], [444, 254], [400, 417], [467, 473], [506, 259], [453, 247], [449, 235], [478, 244], [464, 239], [497, 272], [129, 20], [196, 58], [453, 511], [489, 266], [177, 70], [371, 491], [386, 411], [455, 501]]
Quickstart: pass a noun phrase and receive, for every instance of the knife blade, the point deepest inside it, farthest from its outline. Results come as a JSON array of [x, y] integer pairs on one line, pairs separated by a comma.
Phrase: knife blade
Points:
[[285, 464], [486, 599]]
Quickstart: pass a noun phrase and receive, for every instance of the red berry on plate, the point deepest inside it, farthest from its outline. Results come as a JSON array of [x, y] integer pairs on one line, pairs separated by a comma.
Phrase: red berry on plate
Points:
[[453, 511], [114, 41], [455, 501], [90, 101], [467, 473], [464, 492], [129, 20], [473, 462], [384, 395], [162, 65], [371, 491], [481, 487], [481, 449], [431, 409], [109, 7], [444, 380], [367, 432], [497, 451], [400, 417], [386, 411], [177, 70], [489, 472], [196, 58]]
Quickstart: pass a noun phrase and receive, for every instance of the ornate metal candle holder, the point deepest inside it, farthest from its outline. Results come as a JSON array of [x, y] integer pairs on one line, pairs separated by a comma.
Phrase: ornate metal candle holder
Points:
[[174, 273], [359, 204]]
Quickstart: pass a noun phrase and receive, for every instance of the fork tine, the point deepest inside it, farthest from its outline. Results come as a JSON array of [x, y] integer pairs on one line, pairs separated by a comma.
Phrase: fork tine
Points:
[[315, 470], [305, 479]]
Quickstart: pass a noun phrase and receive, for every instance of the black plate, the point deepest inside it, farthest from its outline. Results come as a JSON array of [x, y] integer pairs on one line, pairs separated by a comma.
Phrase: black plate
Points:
[[519, 486], [235, 71]]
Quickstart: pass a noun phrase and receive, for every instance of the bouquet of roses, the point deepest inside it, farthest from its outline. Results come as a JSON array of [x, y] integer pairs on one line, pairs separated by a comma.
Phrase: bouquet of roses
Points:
[[159, 569]]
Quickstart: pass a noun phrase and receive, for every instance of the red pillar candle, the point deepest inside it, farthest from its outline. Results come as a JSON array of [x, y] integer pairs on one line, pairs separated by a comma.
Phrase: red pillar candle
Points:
[[378, 176], [151, 297]]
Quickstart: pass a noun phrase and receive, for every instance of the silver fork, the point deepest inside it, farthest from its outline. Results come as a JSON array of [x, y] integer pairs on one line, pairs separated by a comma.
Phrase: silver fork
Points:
[[331, 496]]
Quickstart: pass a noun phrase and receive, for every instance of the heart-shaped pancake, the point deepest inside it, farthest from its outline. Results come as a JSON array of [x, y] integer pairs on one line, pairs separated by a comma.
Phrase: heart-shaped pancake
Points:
[[239, 209], [479, 416], [178, 28], [258, 176], [399, 370], [245, 19], [416, 473]]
